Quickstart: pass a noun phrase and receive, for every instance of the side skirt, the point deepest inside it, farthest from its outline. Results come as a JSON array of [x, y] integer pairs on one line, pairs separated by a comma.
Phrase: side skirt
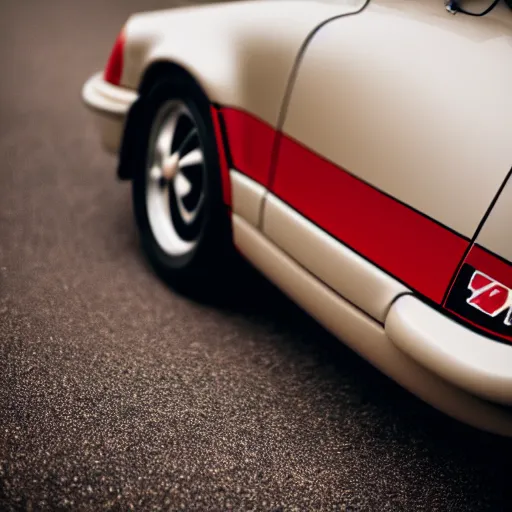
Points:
[[362, 333]]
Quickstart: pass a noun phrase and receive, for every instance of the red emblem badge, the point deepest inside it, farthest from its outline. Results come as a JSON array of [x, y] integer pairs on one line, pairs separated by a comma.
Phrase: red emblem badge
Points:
[[490, 297]]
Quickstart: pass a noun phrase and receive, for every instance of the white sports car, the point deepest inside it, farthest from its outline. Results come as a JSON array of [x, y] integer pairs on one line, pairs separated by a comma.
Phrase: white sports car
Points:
[[357, 152]]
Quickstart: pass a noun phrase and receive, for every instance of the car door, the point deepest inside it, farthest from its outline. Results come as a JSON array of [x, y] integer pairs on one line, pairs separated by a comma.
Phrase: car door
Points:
[[395, 141]]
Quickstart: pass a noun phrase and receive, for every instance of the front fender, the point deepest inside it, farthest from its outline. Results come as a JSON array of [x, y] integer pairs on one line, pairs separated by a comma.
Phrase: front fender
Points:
[[241, 53]]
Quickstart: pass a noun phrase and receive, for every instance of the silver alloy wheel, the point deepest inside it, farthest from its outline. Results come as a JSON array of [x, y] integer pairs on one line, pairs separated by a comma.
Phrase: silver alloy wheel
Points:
[[175, 179]]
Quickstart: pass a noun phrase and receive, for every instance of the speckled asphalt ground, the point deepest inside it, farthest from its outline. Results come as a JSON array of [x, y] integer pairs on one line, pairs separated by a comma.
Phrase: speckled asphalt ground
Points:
[[118, 394]]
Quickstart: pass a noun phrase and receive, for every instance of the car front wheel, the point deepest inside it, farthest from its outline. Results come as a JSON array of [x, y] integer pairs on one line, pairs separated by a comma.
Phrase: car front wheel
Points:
[[177, 192]]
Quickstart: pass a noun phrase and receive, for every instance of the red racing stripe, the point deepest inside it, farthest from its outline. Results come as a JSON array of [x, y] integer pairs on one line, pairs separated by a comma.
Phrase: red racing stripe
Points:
[[405, 243], [410, 246], [250, 142]]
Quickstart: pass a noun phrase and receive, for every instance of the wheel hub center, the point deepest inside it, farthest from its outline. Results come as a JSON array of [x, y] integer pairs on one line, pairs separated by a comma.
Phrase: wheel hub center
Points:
[[170, 166]]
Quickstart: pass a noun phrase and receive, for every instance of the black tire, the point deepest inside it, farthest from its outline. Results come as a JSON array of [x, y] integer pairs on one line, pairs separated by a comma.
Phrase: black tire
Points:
[[204, 267]]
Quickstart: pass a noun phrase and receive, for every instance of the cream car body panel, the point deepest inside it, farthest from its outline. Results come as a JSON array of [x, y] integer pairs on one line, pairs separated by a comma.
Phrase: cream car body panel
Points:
[[427, 91], [247, 197], [110, 105], [470, 362], [241, 53]]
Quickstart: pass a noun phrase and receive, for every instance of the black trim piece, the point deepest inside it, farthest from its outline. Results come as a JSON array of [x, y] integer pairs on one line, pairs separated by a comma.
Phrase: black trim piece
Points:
[[453, 7], [491, 206], [456, 273], [224, 136], [130, 142], [457, 303], [475, 236]]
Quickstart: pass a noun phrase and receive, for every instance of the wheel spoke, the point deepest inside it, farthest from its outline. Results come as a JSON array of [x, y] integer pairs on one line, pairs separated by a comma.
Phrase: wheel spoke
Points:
[[156, 173], [195, 157], [182, 186], [188, 215], [183, 126], [191, 142], [164, 141]]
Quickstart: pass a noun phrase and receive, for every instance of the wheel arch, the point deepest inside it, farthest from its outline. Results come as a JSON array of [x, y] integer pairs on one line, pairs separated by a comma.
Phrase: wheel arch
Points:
[[153, 72], [167, 68], [156, 71]]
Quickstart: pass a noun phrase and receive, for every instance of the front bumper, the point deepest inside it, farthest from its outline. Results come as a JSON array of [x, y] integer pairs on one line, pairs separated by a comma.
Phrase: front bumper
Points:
[[468, 360], [110, 105]]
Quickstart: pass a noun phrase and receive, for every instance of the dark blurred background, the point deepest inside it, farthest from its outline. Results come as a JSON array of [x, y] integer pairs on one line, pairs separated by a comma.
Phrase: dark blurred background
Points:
[[118, 393]]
